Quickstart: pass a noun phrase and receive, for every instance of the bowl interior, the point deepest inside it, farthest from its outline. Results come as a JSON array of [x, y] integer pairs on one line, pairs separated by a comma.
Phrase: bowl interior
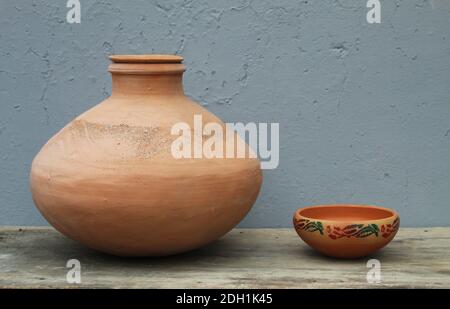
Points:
[[347, 213]]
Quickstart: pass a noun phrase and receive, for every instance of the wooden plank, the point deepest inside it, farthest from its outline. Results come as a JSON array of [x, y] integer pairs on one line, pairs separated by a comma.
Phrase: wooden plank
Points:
[[245, 258]]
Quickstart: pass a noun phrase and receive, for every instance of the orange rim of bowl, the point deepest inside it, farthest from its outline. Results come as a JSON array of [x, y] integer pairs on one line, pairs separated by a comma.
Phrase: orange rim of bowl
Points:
[[393, 213]]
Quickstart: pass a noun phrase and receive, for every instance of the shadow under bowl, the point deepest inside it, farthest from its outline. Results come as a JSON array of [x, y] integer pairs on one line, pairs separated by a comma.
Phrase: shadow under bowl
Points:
[[346, 231]]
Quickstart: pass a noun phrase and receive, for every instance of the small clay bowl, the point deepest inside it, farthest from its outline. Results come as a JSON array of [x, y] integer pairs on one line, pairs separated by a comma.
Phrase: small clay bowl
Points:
[[346, 231]]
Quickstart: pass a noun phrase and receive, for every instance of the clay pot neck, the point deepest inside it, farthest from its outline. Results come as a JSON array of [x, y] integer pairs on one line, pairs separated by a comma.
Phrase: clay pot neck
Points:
[[147, 74]]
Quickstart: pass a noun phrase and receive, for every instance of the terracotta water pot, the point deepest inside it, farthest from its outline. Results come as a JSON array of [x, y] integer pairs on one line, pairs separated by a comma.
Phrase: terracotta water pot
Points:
[[109, 178]]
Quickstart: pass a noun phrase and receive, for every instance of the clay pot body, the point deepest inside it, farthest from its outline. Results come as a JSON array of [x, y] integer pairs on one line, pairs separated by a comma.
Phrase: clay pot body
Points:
[[110, 181], [346, 231]]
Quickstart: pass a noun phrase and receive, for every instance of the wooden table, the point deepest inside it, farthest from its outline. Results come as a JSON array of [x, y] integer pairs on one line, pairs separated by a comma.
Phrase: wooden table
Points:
[[245, 258]]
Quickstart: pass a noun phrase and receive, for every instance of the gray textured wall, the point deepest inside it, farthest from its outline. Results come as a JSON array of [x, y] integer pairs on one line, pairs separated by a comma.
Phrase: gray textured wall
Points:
[[364, 110]]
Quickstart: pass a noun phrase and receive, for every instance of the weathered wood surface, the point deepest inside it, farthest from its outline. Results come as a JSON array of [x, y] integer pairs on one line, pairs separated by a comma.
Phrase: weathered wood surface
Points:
[[245, 258]]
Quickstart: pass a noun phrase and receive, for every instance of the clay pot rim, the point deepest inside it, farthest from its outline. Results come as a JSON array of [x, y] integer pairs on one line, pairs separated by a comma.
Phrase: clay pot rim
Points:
[[156, 64], [391, 217], [146, 58]]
